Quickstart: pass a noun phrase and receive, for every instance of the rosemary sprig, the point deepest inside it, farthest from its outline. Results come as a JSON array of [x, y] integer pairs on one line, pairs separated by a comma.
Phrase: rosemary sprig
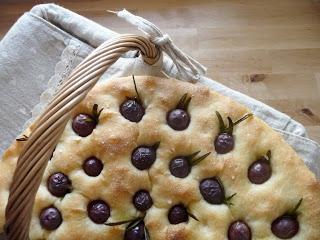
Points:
[[243, 118], [268, 155], [227, 200], [95, 114], [156, 145], [193, 155], [132, 222], [23, 138], [222, 126], [112, 224], [229, 129], [294, 210], [192, 216], [194, 161], [183, 102], [138, 98]]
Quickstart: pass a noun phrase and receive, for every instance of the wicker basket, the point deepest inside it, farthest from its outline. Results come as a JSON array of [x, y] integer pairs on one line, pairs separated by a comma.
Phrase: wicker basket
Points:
[[48, 128]]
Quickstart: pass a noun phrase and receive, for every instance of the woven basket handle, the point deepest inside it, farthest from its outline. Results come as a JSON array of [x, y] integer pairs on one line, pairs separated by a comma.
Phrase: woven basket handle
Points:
[[50, 125]]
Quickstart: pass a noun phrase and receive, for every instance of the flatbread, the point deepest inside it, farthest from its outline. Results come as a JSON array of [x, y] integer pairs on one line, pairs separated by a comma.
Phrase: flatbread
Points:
[[171, 207]]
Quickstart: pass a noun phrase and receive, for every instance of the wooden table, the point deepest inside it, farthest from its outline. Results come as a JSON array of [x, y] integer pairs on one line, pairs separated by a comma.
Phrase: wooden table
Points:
[[268, 49]]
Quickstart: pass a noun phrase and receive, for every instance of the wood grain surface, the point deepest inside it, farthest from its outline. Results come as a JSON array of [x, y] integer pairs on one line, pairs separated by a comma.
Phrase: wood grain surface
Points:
[[267, 49]]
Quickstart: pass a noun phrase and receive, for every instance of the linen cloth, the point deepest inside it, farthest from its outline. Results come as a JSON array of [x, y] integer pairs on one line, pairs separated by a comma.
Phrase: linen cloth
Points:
[[45, 44]]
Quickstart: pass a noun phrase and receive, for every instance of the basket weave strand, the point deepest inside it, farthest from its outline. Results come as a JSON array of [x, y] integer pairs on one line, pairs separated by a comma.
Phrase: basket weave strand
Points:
[[48, 128]]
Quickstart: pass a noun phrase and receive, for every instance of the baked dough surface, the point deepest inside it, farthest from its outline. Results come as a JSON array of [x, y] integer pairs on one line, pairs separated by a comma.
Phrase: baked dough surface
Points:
[[113, 141]]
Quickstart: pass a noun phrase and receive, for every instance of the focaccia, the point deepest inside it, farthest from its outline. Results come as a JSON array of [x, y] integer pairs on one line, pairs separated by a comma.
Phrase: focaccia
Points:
[[161, 159]]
